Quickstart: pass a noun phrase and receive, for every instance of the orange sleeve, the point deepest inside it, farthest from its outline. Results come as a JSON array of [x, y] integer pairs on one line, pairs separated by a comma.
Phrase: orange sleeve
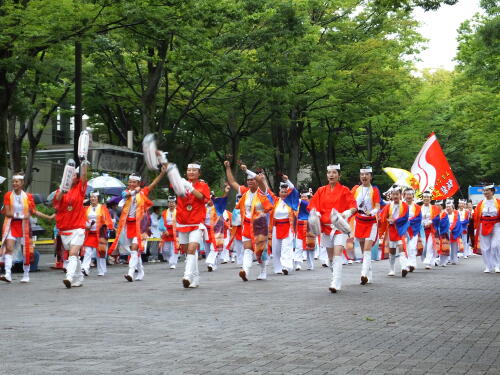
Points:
[[6, 198]]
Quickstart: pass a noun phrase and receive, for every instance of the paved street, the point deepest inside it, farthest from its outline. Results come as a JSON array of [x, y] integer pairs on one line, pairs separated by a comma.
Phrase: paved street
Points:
[[442, 321]]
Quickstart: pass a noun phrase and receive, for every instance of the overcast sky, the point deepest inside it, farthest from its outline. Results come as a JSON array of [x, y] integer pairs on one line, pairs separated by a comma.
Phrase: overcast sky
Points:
[[440, 27]]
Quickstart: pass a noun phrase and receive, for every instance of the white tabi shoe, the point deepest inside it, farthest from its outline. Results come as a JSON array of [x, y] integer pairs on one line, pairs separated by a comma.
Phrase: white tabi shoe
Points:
[[76, 284], [26, 278], [172, 267], [497, 269], [391, 273]]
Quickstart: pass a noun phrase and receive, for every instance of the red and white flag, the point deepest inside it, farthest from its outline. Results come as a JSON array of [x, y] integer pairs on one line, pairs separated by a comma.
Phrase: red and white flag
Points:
[[432, 171]]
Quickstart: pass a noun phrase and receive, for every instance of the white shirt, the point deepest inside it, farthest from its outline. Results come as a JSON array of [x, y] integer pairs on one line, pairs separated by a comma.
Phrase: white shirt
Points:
[[281, 210], [462, 214], [426, 214], [248, 203], [489, 208], [395, 212], [133, 208], [92, 216], [170, 217], [364, 200], [18, 209]]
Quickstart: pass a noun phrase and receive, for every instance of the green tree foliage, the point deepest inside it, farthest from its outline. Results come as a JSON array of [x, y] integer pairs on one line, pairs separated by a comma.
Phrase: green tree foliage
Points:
[[286, 85]]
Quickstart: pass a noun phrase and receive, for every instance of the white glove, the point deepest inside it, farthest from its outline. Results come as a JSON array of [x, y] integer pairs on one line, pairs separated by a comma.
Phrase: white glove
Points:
[[251, 174], [347, 214], [374, 212], [188, 185]]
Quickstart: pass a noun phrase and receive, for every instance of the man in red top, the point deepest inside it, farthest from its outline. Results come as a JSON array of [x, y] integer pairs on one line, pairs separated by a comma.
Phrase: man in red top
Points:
[[328, 197], [191, 212], [71, 220]]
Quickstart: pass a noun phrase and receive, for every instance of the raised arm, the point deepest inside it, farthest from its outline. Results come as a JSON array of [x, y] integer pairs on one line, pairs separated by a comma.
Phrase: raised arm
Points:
[[158, 178], [230, 178], [261, 182]]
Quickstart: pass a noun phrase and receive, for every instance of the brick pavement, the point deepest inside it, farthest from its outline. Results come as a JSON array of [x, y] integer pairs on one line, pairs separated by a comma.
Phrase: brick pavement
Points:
[[444, 321]]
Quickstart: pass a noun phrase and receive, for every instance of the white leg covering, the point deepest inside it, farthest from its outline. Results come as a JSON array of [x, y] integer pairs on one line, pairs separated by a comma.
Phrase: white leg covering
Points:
[[140, 268], [263, 272], [403, 260], [323, 255], [132, 263], [310, 259], [211, 260], [225, 256], [71, 268], [87, 258], [8, 267], [172, 260], [101, 266], [367, 263], [336, 274], [392, 264], [443, 259], [429, 253], [189, 267], [238, 247], [26, 275], [78, 272], [196, 273], [247, 261], [454, 252], [286, 257], [276, 246]]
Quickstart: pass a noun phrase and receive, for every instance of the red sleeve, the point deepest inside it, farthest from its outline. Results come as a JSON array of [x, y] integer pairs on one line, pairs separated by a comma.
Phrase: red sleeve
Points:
[[204, 189], [6, 198], [146, 190], [31, 203], [313, 203], [82, 186], [376, 195], [56, 202], [349, 199], [243, 189]]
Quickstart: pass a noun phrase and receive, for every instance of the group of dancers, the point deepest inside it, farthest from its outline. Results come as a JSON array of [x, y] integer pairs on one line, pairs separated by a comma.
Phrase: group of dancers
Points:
[[287, 226]]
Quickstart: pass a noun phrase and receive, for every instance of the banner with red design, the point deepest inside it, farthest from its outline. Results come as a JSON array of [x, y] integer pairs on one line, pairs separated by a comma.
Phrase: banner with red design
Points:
[[433, 172]]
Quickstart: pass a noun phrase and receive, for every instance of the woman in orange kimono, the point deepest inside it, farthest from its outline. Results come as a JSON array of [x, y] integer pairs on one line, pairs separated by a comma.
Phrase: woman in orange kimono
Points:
[[96, 235], [18, 207], [169, 245], [132, 228], [255, 204]]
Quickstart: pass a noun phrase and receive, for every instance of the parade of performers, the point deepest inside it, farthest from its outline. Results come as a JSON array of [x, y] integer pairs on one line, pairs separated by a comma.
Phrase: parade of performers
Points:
[[282, 228]]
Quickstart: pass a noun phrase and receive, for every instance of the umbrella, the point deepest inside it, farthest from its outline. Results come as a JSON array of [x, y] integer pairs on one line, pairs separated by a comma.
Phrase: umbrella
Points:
[[109, 185]]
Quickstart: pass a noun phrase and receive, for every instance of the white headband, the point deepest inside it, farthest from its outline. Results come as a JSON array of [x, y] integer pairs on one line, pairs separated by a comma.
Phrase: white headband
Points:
[[462, 201], [96, 193], [194, 165], [18, 177], [365, 170], [450, 202], [489, 186], [134, 178], [333, 167]]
